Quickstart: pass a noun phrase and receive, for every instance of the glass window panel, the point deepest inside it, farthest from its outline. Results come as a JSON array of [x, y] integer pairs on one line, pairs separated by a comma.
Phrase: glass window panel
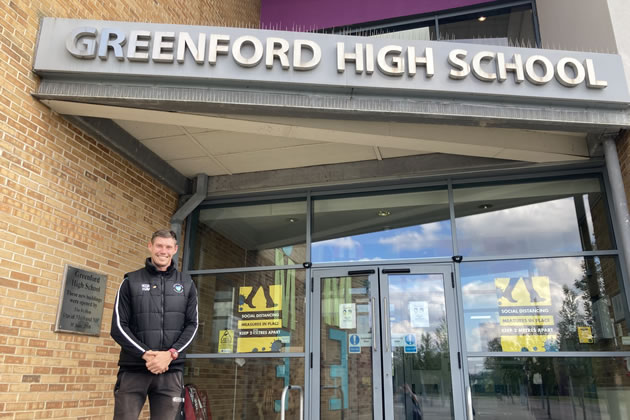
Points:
[[421, 31], [251, 312], [508, 26], [247, 388], [346, 376], [567, 215], [266, 234], [543, 305], [549, 388], [383, 226], [421, 380]]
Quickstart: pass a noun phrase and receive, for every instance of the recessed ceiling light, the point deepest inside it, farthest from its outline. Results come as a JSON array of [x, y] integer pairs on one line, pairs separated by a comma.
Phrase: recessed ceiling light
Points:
[[292, 219], [384, 213], [481, 18], [485, 206]]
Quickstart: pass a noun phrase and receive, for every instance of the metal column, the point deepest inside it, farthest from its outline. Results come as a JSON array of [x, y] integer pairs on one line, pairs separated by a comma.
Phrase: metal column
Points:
[[619, 199], [188, 207]]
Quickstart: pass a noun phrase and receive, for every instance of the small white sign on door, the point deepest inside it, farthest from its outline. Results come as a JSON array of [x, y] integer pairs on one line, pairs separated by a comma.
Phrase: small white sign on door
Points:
[[419, 314], [347, 316]]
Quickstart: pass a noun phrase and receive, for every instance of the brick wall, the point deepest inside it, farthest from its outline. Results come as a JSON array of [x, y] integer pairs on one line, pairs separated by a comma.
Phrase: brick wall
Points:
[[66, 199]]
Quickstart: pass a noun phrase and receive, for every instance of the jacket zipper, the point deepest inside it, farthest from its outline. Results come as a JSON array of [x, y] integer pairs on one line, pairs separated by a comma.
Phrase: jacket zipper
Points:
[[162, 314]]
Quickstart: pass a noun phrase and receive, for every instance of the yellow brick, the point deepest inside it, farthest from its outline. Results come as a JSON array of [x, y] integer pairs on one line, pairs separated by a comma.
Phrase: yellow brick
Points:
[[58, 222]]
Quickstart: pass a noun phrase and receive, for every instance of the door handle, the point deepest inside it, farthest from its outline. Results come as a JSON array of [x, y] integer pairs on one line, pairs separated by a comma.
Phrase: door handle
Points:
[[282, 401], [386, 327], [359, 272], [374, 324], [469, 407], [396, 271]]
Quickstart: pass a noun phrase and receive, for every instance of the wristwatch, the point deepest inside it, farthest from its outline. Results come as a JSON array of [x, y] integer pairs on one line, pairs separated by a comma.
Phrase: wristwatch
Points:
[[174, 353]]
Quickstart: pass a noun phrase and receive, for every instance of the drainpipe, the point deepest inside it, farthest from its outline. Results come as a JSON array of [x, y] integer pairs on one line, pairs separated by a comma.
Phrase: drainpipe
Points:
[[191, 204], [619, 199]]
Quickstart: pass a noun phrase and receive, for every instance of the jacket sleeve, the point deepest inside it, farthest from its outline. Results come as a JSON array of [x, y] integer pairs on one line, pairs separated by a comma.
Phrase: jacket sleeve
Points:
[[120, 330], [191, 321]]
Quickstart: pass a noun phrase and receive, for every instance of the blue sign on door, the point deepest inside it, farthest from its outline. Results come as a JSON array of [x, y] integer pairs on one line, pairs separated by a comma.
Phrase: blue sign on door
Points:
[[410, 344], [355, 343]]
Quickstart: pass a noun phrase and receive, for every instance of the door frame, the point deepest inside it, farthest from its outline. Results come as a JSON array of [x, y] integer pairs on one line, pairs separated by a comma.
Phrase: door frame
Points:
[[381, 362]]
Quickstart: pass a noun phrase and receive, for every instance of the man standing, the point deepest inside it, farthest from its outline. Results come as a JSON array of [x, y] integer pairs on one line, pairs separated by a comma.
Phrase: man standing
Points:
[[154, 321]]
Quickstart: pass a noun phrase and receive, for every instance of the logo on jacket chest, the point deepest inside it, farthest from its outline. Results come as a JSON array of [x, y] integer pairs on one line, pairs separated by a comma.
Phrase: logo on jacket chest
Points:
[[146, 287], [178, 288]]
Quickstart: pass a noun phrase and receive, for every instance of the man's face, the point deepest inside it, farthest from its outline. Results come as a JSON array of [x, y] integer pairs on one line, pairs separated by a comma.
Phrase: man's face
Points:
[[162, 251]]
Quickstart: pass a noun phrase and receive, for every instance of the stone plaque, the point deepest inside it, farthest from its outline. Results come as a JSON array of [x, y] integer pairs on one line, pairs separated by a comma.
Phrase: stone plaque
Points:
[[81, 302]]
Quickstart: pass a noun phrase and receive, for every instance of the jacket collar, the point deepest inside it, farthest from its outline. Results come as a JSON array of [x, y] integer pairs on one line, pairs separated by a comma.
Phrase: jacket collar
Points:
[[150, 267]]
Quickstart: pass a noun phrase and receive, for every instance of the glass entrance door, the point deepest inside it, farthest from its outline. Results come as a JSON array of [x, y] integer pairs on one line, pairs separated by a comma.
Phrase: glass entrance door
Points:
[[386, 344]]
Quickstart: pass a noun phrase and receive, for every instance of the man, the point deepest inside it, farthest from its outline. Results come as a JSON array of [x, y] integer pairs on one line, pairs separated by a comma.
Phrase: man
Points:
[[154, 321]]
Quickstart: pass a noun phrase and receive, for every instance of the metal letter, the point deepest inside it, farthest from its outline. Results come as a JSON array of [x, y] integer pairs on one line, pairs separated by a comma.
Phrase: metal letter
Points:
[[426, 61], [163, 41], [398, 62], [369, 58], [219, 44], [138, 40], [356, 57], [87, 38], [516, 66], [530, 73], [564, 78], [315, 49], [281, 52], [480, 73], [591, 79], [198, 51], [115, 43], [256, 56], [455, 59]]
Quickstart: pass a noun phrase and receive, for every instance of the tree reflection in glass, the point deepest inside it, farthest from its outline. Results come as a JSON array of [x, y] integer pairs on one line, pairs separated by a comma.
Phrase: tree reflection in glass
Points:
[[550, 388], [572, 312]]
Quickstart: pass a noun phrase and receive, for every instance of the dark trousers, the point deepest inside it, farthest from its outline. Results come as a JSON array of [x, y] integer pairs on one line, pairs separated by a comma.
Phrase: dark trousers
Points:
[[164, 391]]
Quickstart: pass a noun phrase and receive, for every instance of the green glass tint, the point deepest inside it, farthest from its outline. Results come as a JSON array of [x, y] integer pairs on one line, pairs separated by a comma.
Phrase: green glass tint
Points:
[[532, 217], [249, 388], [382, 226], [547, 388], [544, 305], [253, 312], [267, 234]]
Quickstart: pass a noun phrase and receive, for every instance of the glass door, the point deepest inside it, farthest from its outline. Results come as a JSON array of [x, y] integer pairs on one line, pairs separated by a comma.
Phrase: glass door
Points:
[[422, 378], [385, 344], [347, 345]]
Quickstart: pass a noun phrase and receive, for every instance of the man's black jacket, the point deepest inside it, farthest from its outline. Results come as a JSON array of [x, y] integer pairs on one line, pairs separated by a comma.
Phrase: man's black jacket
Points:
[[154, 310]]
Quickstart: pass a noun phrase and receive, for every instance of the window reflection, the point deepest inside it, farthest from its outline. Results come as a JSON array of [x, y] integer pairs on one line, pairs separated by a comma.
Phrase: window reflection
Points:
[[543, 305], [383, 226], [536, 217], [250, 235], [423, 31], [509, 26], [421, 379], [251, 312], [249, 388], [346, 366], [550, 388]]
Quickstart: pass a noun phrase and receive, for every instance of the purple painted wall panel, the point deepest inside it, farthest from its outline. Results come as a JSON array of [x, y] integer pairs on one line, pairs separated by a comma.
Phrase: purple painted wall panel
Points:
[[317, 14]]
